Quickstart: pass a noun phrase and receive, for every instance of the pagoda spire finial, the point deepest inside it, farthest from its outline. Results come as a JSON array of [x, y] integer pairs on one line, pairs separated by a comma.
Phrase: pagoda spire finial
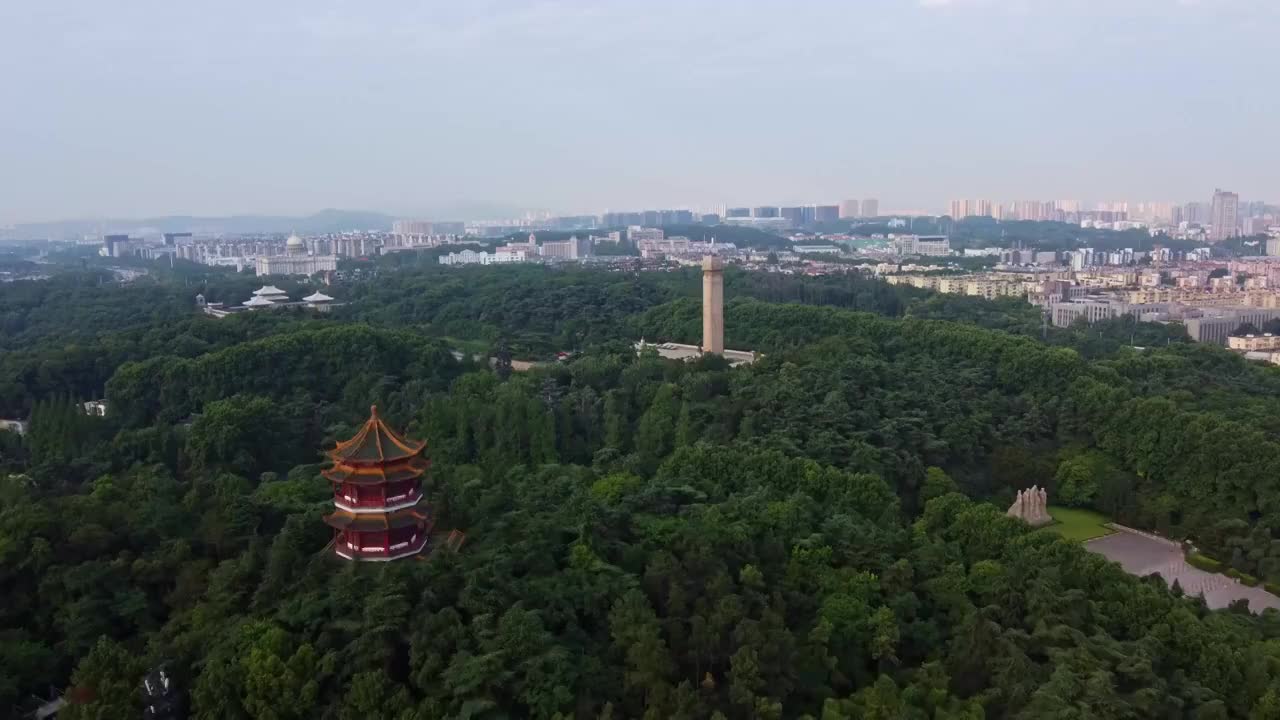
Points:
[[373, 411]]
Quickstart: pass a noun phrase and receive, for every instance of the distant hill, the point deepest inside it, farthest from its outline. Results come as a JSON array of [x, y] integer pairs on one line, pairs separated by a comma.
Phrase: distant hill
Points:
[[321, 222]]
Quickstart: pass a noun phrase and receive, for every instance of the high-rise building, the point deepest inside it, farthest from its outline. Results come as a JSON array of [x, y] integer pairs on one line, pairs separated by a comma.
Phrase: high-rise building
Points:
[[575, 248], [975, 208], [1224, 221], [794, 215], [826, 213], [849, 208], [1153, 212], [764, 211], [1029, 210], [621, 219], [1259, 225], [738, 212], [712, 305], [407, 233], [870, 208], [114, 245], [636, 234]]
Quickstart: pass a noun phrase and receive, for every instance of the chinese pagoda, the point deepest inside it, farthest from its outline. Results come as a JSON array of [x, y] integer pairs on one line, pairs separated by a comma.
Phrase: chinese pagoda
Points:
[[379, 509]]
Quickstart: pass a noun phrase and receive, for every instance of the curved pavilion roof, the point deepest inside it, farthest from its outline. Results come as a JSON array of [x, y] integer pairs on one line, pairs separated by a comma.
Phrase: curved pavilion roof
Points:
[[378, 474], [375, 443]]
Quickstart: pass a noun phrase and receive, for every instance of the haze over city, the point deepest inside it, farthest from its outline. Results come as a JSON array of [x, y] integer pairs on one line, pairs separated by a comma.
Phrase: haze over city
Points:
[[428, 109], [678, 359]]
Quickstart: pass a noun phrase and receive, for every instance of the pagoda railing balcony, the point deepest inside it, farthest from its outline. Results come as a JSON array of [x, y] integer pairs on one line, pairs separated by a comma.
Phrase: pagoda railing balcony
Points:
[[377, 505], [412, 546]]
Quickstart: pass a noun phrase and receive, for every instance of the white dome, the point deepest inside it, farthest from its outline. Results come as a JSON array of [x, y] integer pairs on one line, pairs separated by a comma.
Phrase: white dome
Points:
[[294, 242]]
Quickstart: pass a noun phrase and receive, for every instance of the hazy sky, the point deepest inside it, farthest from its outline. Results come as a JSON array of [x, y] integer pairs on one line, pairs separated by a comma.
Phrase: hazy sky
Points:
[[135, 107]]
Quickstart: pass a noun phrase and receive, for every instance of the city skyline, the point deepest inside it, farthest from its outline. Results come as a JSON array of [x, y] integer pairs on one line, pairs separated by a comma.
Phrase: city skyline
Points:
[[847, 208], [414, 108]]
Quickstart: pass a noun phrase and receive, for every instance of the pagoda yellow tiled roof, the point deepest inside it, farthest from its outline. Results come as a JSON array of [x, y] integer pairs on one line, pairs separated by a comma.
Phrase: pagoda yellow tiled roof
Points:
[[375, 443]]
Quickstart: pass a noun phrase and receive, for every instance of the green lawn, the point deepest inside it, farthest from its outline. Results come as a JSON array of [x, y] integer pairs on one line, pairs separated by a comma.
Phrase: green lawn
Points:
[[1077, 524]]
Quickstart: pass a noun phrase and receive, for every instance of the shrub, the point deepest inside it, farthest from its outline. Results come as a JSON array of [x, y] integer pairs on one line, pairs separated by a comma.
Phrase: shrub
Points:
[[1204, 562]]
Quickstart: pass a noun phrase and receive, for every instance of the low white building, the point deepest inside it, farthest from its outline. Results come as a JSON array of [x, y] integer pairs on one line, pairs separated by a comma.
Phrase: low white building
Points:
[[466, 257], [688, 353], [318, 301], [636, 234], [658, 247], [1252, 343], [257, 302], [508, 255], [931, 245], [471, 257], [271, 293]]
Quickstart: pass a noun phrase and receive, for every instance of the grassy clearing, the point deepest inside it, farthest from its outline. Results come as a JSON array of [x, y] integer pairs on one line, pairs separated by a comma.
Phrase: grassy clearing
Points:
[[1077, 523]]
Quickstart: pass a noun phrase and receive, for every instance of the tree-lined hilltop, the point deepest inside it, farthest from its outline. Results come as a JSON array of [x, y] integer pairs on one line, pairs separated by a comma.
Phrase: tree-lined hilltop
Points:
[[820, 534]]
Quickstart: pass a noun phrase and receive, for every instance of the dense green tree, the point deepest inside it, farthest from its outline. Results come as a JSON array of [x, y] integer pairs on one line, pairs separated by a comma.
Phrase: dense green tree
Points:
[[806, 536], [106, 684]]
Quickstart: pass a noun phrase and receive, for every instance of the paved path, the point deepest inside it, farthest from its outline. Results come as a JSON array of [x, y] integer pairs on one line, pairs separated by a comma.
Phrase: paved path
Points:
[[1142, 554]]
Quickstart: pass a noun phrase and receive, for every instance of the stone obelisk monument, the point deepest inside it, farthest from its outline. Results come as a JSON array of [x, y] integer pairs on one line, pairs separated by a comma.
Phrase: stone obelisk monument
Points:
[[712, 305]]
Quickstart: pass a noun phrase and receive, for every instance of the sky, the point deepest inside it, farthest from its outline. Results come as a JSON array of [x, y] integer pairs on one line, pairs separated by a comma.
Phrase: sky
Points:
[[422, 108]]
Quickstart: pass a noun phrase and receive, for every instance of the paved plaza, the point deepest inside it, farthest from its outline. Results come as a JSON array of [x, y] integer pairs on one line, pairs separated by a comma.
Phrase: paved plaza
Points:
[[1141, 555]]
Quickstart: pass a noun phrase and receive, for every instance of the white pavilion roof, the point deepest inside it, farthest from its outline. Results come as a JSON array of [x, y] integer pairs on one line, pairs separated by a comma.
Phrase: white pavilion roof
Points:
[[317, 297], [258, 301], [269, 290]]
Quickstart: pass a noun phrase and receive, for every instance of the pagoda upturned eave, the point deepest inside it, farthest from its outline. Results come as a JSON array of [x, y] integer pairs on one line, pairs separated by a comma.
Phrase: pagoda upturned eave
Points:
[[413, 514], [378, 474], [375, 444]]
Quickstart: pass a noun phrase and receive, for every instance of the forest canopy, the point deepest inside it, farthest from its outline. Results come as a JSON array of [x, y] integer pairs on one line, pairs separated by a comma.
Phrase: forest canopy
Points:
[[819, 534]]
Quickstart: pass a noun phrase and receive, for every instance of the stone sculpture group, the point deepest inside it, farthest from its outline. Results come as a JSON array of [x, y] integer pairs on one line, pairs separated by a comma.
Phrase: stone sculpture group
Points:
[[1032, 506]]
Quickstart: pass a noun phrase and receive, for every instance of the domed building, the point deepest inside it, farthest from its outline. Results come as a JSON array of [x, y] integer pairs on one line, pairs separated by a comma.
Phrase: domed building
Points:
[[296, 260]]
